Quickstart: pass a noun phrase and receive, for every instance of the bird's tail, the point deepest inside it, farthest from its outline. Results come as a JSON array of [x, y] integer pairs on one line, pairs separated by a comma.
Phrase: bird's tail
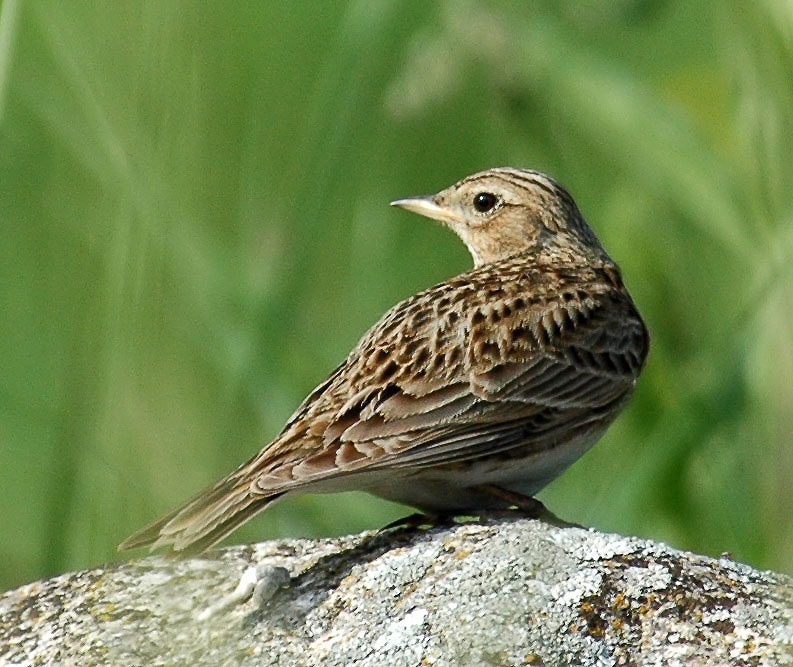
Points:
[[203, 521]]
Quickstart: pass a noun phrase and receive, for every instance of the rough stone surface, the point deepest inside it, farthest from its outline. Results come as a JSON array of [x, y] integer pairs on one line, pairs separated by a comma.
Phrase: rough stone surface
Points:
[[509, 592]]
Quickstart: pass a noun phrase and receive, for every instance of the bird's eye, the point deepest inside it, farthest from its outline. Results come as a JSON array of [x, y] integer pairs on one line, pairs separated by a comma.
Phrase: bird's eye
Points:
[[485, 201]]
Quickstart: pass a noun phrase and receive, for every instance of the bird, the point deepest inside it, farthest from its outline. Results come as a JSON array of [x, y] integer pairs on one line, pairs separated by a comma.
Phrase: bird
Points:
[[469, 396]]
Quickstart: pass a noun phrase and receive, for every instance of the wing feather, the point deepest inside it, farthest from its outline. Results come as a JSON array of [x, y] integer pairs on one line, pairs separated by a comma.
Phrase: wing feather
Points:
[[527, 399]]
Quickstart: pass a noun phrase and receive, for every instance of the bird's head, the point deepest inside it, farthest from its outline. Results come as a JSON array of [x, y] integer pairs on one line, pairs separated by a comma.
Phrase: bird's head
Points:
[[503, 212]]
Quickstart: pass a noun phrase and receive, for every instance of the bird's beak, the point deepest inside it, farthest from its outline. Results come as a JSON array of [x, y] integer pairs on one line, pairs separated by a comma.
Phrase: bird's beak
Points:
[[428, 207]]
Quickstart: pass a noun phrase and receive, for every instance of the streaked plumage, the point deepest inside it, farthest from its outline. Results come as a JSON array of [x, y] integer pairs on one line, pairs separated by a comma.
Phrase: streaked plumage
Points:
[[502, 376]]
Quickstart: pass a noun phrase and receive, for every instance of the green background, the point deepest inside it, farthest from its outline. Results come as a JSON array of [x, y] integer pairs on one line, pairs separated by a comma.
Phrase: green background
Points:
[[194, 230]]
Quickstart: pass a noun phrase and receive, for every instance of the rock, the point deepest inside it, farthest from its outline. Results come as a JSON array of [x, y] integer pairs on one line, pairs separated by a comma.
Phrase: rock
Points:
[[504, 592]]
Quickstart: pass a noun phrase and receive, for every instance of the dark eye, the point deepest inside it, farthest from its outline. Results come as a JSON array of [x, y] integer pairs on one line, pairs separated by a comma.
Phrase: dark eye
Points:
[[485, 201]]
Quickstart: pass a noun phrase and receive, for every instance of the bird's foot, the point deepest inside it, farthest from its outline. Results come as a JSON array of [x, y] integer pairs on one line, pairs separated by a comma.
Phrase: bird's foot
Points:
[[527, 505], [420, 520]]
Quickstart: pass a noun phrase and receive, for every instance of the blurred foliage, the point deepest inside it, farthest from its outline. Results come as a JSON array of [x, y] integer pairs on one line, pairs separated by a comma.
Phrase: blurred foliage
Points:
[[194, 230]]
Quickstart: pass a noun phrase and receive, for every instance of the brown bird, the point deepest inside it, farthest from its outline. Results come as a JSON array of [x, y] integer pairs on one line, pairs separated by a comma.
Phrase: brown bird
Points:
[[471, 395]]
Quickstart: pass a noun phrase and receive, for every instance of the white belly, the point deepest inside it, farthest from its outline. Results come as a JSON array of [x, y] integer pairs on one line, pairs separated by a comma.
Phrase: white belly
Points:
[[450, 489]]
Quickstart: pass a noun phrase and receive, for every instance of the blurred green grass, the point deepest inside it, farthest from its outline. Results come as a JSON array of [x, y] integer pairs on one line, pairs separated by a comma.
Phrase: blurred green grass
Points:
[[194, 230]]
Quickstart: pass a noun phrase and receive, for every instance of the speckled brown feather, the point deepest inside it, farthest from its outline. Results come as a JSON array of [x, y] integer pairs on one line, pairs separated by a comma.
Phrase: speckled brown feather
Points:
[[501, 376]]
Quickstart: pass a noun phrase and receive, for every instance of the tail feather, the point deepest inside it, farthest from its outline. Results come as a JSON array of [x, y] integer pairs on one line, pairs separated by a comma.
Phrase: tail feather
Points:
[[204, 520]]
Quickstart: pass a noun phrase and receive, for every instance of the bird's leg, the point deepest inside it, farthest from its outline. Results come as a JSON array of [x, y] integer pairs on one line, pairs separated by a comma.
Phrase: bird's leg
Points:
[[526, 504], [418, 519]]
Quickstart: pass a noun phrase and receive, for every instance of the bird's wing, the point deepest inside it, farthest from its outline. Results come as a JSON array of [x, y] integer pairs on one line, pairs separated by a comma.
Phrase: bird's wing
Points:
[[531, 397]]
